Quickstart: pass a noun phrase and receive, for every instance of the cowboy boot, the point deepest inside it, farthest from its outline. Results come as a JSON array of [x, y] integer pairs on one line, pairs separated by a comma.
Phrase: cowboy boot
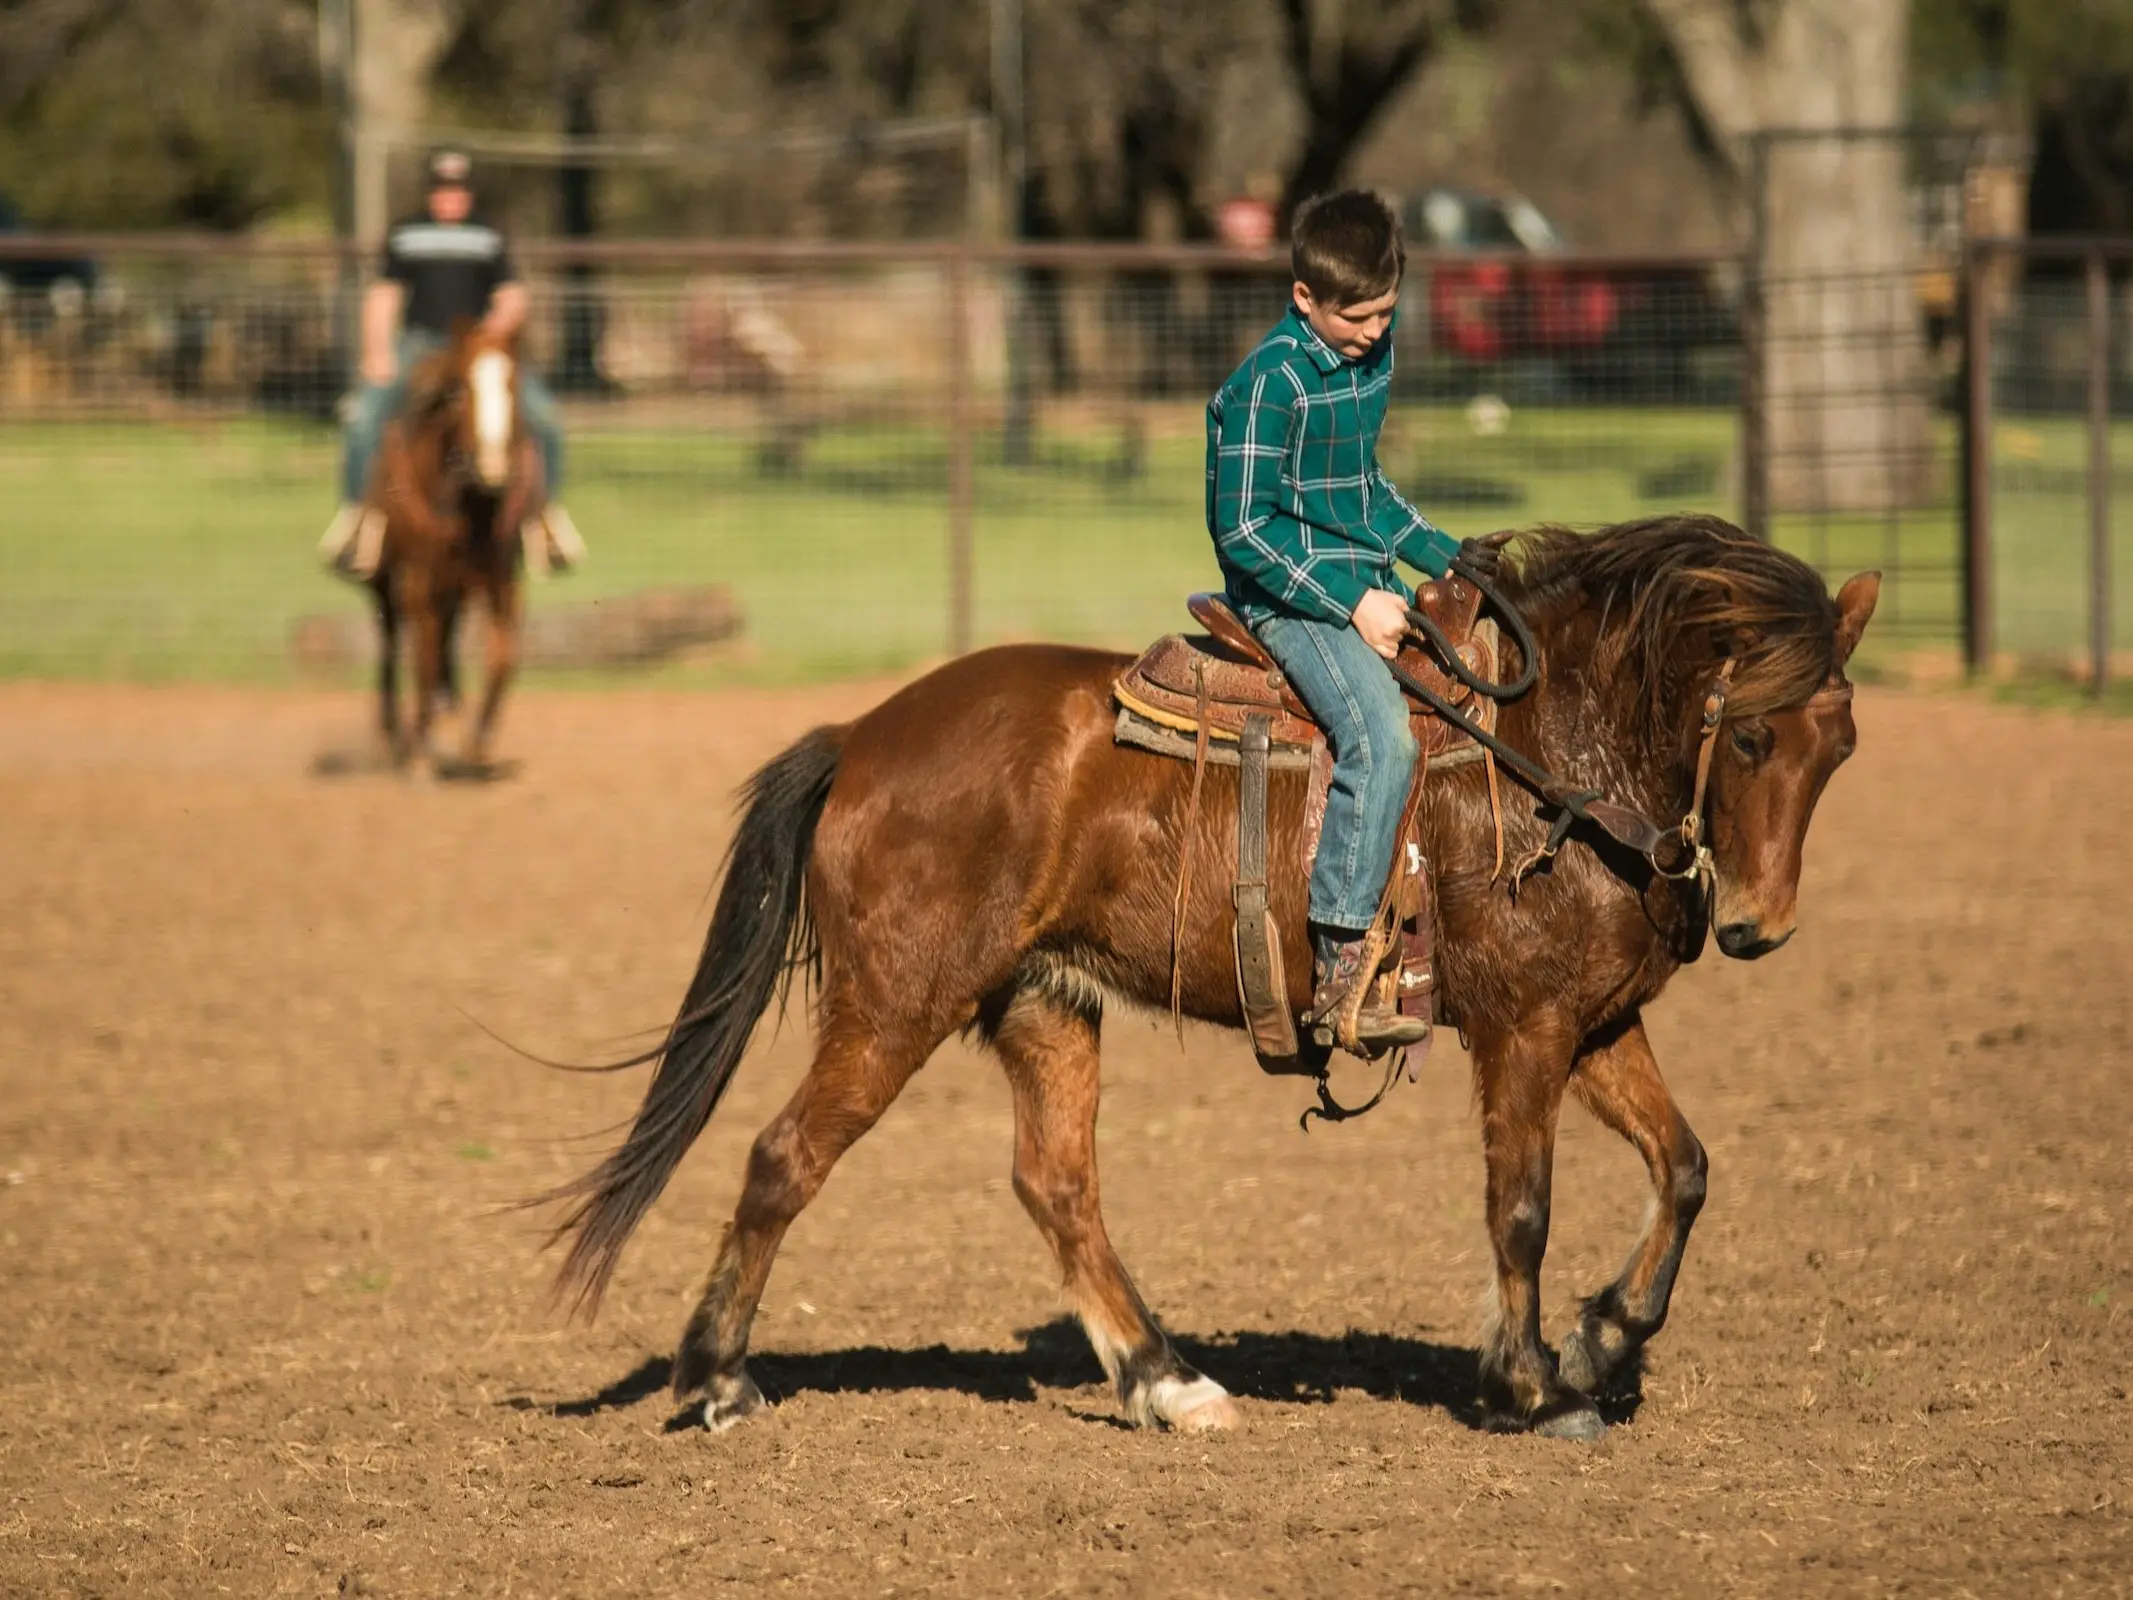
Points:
[[354, 542], [1340, 972], [566, 548], [551, 542]]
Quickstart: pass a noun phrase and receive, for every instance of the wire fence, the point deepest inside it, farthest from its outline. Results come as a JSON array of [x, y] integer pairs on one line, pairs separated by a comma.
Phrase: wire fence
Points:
[[1855, 449], [887, 453], [2050, 533]]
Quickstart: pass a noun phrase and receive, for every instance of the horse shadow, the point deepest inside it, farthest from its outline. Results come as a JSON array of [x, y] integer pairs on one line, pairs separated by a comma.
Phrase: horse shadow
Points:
[[373, 760], [1289, 1368]]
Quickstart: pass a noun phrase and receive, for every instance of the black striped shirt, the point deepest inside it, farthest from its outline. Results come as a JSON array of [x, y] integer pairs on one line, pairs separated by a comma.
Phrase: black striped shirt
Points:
[[448, 269]]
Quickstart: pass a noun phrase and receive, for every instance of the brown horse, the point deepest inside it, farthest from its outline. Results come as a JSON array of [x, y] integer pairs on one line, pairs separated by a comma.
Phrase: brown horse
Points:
[[457, 477], [977, 854]]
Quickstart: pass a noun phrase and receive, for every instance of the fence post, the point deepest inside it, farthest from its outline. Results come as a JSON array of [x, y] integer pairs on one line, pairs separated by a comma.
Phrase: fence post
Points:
[[1977, 461], [959, 453], [1754, 387], [2099, 284]]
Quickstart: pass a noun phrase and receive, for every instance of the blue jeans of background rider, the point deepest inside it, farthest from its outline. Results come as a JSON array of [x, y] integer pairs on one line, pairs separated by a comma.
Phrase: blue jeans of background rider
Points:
[[1351, 693], [379, 403]]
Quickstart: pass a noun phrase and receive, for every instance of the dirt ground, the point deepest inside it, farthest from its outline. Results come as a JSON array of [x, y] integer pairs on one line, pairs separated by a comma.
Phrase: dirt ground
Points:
[[270, 1330]]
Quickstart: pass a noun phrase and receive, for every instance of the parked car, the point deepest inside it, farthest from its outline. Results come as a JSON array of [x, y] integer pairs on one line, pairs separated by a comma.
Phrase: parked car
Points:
[[1630, 332], [39, 275]]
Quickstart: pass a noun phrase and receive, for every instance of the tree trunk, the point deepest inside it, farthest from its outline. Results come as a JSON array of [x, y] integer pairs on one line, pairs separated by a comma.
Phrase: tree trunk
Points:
[[398, 44], [1844, 373], [581, 316]]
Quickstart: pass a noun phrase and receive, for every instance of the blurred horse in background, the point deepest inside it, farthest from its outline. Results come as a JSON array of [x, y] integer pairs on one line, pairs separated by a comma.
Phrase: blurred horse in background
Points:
[[458, 478]]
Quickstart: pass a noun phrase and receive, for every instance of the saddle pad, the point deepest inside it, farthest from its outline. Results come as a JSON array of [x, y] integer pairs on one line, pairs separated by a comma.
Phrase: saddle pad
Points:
[[1160, 739], [1145, 732]]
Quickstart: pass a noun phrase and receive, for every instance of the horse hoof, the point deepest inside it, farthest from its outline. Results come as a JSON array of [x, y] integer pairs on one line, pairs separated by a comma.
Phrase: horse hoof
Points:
[[732, 1400], [1192, 1405], [1219, 1415], [1579, 1423], [1579, 1364]]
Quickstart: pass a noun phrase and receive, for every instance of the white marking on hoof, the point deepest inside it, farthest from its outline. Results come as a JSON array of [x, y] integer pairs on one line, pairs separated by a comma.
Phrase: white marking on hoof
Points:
[[1198, 1406], [732, 1400]]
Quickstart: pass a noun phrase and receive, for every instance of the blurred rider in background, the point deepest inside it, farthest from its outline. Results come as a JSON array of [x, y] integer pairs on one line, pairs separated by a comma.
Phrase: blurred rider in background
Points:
[[441, 264]]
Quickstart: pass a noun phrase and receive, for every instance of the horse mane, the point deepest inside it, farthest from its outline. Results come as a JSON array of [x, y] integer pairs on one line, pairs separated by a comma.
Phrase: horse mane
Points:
[[1676, 594], [430, 386]]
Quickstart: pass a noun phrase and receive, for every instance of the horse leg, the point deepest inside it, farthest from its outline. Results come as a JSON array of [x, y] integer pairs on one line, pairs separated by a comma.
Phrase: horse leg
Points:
[[449, 608], [1522, 1077], [1048, 1042], [388, 668], [419, 601], [857, 1072], [1618, 1080], [504, 616]]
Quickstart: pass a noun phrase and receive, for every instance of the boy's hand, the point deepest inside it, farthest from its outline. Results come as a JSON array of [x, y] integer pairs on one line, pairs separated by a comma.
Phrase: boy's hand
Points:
[[1483, 557], [1381, 618]]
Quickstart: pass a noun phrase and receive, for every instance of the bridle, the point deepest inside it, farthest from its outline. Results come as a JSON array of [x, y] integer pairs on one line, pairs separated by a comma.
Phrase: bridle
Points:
[[457, 474], [448, 392], [1680, 852]]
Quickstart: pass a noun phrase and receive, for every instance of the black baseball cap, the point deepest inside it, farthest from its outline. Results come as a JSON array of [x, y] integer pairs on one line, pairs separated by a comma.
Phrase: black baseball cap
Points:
[[450, 169]]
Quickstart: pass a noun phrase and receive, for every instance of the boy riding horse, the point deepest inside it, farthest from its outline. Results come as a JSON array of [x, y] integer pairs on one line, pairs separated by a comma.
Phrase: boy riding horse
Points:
[[439, 266], [1306, 529]]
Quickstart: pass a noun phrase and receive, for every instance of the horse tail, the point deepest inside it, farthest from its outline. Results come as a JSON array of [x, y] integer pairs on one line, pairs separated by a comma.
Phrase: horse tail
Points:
[[762, 932]]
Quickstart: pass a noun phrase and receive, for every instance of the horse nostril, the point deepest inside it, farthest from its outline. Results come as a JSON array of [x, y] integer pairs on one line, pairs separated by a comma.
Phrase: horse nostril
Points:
[[1745, 940], [1738, 938]]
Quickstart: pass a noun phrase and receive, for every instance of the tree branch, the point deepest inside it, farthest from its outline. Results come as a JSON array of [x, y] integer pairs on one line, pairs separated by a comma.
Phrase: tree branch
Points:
[[36, 38], [1348, 58], [1720, 65]]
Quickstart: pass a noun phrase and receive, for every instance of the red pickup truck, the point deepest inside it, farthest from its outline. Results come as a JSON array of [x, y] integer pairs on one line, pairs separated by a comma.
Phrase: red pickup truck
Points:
[[1623, 331]]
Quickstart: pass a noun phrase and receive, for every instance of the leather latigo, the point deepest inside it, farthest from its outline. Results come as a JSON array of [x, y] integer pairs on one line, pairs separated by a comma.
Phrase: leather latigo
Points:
[[1262, 979]]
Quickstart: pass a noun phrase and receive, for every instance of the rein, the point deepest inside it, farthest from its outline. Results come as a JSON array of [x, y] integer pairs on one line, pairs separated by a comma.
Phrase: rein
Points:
[[1678, 852]]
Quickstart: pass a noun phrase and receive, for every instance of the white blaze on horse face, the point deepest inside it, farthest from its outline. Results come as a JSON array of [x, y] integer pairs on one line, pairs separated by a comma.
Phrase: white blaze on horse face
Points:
[[490, 378]]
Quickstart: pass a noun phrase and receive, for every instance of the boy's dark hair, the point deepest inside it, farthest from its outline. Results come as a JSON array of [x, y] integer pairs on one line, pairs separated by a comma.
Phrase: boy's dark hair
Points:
[[1346, 248]]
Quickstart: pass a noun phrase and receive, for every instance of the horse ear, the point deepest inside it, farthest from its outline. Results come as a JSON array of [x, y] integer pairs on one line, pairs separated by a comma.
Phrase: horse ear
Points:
[[1855, 608]]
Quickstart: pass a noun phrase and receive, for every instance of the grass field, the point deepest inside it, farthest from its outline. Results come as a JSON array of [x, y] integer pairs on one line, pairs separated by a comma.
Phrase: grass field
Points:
[[182, 550]]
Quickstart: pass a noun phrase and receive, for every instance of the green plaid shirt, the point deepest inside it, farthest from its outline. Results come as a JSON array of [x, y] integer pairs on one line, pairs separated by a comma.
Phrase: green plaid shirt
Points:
[[1303, 519]]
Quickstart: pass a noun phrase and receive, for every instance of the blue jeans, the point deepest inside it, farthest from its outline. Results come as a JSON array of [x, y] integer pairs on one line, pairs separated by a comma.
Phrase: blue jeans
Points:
[[379, 403], [1351, 693]]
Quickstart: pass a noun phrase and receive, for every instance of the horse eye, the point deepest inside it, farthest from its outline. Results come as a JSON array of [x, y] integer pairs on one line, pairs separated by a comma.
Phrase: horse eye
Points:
[[1748, 741]]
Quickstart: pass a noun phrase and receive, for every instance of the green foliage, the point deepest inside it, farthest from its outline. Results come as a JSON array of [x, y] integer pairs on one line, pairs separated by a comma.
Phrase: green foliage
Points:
[[2040, 47], [159, 114]]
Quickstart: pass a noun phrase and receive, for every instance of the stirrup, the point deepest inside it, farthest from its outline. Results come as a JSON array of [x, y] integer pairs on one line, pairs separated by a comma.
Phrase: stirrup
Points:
[[1399, 1032]]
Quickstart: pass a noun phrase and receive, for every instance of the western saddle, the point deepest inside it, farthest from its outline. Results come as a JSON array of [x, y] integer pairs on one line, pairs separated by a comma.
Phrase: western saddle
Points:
[[1220, 698]]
